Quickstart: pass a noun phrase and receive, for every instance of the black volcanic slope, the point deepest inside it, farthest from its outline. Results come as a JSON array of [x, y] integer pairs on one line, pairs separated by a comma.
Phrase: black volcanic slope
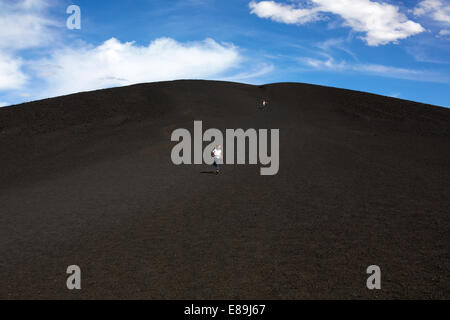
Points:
[[86, 179]]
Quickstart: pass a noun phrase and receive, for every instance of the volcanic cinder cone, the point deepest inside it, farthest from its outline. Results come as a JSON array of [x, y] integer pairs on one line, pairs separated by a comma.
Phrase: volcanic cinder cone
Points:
[[87, 180]]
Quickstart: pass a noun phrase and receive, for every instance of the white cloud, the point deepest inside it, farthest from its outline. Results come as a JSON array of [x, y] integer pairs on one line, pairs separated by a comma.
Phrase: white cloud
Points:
[[284, 13], [436, 9], [251, 76], [332, 44], [382, 23], [114, 63], [11, 75], [444, 32], [30, 4], [394, 95], [24, 25], [330, 64], [3, 104]]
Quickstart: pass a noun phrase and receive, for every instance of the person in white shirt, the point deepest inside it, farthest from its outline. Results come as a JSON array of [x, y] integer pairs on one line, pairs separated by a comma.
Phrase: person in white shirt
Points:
[[217, 154], [264, 104]]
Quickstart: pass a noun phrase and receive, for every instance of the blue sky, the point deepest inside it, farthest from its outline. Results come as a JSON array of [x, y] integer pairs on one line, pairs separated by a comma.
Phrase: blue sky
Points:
[[393, 48]]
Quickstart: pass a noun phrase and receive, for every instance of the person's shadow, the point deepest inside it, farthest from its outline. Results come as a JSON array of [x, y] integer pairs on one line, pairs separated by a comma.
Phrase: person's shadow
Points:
[[208, 172]]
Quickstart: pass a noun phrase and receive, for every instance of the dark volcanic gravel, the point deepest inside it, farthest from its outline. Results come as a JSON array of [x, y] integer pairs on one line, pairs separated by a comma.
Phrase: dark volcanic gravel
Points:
[[87, 180]]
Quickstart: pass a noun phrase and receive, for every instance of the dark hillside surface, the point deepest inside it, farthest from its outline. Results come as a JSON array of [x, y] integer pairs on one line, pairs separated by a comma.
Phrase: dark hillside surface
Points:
[[87, 179]]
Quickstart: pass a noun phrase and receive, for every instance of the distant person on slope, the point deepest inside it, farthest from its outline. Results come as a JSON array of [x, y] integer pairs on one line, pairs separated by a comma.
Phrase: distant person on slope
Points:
[[217, 154], [264, 104]]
